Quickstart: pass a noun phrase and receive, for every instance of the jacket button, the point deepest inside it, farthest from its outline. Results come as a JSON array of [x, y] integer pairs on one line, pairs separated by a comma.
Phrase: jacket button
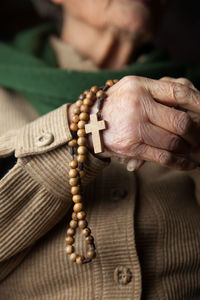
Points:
[[117, 194], [44, 139], [122, 275]]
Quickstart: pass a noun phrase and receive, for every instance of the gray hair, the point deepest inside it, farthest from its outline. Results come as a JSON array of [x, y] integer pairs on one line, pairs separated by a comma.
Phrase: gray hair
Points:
[[47, 9]]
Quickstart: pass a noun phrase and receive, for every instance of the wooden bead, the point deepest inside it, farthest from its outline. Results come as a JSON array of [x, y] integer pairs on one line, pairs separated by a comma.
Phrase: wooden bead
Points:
[[85, 92], [88, 102], [91, 254], [77, 198], [74, 217], [81, 173], [81, 124], [109, 82], [73, 257], [83, 116], [70, 231], [100, 94], [73, 224], [69, 240], [89, 239], [79, 103], [115, 80], [81, 132], [72, 143], [75, 190], [73, 164], [69, 249], [79, 260], [73, 173], [76, 110], [81, 215], [75, 118], [90, 95], [81, 97], [73, 126], [82, 150], [78, 207], [74, 181], [82, 224], [85, 108], [81, 158], [82, 141], [86, 231], [94, 89]]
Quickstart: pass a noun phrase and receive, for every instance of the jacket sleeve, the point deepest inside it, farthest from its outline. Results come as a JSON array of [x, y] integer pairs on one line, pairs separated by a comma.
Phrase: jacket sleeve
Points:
[[35, 193]]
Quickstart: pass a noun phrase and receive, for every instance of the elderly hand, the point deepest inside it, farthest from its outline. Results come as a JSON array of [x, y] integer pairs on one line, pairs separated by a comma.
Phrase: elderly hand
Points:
[[143, 125]]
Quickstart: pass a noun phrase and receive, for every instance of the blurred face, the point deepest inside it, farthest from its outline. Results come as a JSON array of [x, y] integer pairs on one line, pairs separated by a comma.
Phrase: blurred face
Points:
[[137, 17]]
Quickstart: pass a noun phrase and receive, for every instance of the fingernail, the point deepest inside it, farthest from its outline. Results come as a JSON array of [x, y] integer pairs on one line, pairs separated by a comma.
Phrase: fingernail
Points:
[[131, 165]]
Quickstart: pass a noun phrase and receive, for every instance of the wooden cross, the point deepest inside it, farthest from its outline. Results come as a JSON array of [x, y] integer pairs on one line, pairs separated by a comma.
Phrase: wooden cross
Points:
[[94, 127]]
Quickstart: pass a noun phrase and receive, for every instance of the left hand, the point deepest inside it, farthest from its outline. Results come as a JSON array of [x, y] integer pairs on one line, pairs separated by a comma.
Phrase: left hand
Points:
[[194, 94]]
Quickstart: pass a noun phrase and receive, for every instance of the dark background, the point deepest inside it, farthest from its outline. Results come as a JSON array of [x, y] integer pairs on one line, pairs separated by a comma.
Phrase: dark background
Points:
[[180, 32]]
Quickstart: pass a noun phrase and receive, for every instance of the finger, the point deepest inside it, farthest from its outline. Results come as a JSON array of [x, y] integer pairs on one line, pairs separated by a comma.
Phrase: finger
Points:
[[181, 80], [175, 94], [134, 164], [163, 139], [167, 159], [174, 121]]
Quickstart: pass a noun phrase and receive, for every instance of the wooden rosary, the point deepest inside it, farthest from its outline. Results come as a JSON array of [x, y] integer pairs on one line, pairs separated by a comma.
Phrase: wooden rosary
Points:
[[78, 150]]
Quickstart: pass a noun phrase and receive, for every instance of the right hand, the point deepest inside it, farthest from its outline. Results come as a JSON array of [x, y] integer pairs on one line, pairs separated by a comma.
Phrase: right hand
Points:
[[143, 129]]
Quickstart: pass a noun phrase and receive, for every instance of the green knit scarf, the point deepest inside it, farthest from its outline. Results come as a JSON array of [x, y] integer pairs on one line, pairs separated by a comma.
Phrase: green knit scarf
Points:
[[28, 66]]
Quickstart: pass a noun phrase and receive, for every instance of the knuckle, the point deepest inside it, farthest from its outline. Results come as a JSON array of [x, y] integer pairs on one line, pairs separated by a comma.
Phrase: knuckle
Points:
[[175, 143], [180, 92], [165, 158], [184, 124], [130, 80], [184, 81]]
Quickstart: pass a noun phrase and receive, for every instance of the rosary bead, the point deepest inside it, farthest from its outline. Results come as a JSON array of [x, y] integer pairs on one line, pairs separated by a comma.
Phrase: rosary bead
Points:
[[73, 173], [79, 103], [78, 207], [69, 240], [79, 260], [90, 95], [100, 94], [81, 158], [82, 224], [74, 181], [70, 231], [77, 198], [81, 173], [83, 116], [73, 224], [109, 83], [73, 164], [81, 97], [81, 124], [84, 108], [88, 102], [81, 215], [89, 239], [82, 150], [76, 110], [115, 80], [72, 143], [82, 141], [74, 127], [75, 118], [94, 89], [90, 254], [86, 231], [85, 92], [81, 132], [75, 190], [74, 218], [73, 257], [69, 249]]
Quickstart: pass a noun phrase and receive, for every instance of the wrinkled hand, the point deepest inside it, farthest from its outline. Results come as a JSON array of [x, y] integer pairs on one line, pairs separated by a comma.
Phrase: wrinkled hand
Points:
[[143, 125]]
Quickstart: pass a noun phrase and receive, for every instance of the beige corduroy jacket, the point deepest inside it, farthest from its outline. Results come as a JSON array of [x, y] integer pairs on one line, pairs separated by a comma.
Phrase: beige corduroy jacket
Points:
[[146, 224]]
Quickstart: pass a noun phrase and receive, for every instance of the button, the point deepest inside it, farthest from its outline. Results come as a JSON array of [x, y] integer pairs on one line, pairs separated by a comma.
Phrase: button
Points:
[[118, 194], [122, 275], [44, 139]]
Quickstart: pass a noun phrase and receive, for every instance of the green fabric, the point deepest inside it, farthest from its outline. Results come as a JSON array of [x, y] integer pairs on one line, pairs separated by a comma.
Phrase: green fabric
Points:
[[29, 66]]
